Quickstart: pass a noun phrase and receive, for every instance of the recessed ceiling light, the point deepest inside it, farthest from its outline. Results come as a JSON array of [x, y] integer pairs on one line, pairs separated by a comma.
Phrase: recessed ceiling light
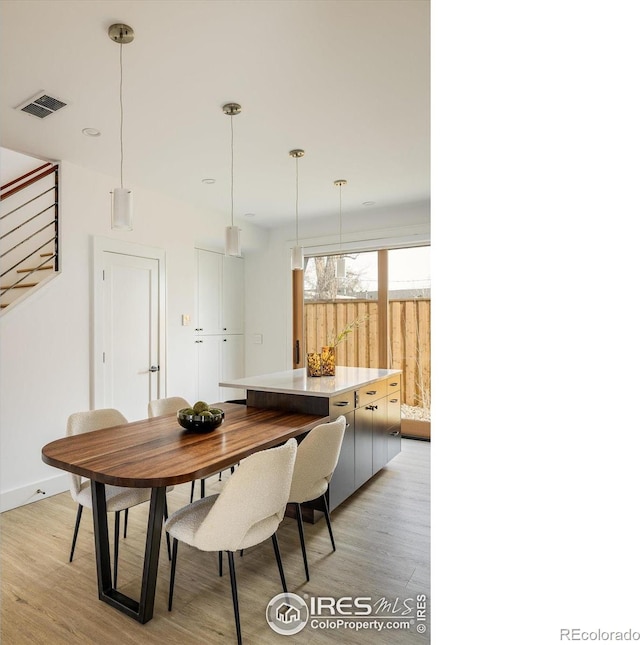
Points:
[[91, 132], [208, 180], [368, 203]]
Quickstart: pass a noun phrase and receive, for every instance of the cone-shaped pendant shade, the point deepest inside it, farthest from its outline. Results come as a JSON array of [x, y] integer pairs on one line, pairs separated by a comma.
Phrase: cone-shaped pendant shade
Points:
[[122, 209], [232, 241], [297, 258]]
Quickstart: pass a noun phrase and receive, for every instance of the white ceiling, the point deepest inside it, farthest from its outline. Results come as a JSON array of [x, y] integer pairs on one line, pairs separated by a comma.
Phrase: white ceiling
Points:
[[346, 80]]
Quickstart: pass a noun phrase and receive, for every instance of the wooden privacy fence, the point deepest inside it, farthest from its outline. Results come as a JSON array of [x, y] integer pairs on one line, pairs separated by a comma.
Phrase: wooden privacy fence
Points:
[[409, 339]]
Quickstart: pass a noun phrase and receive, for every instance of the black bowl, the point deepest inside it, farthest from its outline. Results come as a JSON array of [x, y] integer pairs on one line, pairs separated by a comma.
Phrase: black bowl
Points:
[[198, 423]]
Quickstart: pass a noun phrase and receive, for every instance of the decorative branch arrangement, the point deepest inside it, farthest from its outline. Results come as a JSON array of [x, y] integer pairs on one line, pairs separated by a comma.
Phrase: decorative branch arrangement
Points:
[[354, 324], [324, 363]]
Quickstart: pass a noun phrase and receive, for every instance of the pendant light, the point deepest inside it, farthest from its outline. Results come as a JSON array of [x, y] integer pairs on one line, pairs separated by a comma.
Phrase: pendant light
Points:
[[297, 252], [341, 266], [121, 198], [232, 233]]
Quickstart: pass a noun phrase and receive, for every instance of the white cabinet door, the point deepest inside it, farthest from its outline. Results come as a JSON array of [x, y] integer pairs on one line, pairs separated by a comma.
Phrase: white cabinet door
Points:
[[220, 358], [209, 290], [231, 365], [219, 326], [232, 295], [220, 291], [208, 369]]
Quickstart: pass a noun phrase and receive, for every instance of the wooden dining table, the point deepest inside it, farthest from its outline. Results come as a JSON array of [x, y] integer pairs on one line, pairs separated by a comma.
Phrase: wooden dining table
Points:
[[156, 453]]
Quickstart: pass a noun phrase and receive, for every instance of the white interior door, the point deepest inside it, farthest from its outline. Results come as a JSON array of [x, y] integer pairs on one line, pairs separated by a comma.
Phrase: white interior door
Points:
[[128, 336]]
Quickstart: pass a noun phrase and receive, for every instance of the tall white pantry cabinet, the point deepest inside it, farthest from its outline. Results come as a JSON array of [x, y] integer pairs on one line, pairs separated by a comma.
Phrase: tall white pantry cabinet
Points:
[[219, 327]]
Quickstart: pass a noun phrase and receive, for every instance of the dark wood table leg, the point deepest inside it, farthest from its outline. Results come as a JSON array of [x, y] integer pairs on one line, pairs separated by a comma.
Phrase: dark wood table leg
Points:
[[152, 554], [142, 611]]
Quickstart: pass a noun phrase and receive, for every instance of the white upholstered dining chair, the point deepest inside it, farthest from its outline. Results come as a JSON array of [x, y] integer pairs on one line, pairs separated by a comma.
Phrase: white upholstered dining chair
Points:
[[171, 405], [316, 460], [247, 512], [118, 498]]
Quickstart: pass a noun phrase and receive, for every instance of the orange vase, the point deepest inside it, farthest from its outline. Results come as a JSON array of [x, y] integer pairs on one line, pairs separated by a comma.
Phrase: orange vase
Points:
[[314, 364], [328, 360]]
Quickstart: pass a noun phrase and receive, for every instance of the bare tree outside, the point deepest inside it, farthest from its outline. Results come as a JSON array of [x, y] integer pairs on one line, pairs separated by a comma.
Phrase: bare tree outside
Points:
[[325, 285]]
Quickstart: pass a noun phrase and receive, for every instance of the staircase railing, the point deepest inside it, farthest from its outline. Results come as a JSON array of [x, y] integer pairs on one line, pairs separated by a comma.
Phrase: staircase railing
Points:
[[31, 226]]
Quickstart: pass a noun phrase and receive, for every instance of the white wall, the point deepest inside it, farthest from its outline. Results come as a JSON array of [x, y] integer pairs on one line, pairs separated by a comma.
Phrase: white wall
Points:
[[45, 341]]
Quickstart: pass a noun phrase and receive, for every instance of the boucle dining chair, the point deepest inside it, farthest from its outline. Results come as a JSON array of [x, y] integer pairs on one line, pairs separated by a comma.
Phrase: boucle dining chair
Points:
[[118, 498], [316, 460], [247, 512], [171, 405]]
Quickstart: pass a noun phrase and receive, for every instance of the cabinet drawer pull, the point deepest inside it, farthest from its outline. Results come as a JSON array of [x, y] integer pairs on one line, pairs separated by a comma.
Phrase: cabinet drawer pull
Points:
[[341, 404], [393, 400], [199, 341], [395, 434], [371, 407], [393, 384], [371, 392]]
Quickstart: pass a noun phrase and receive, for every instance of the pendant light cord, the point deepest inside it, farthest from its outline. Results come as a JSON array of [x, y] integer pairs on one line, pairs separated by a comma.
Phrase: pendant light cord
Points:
[[121, 125], [340, 186], [232, 170], [297, 244]]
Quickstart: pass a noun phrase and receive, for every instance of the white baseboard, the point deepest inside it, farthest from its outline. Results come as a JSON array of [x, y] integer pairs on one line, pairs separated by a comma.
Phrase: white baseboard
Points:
[[28, 494]]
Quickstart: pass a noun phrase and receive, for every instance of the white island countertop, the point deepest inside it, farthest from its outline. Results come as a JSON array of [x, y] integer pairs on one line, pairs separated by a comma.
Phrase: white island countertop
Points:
[[297, 381]]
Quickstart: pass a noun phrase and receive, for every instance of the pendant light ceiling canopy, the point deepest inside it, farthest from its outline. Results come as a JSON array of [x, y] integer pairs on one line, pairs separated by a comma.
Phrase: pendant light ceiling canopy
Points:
[[297, 252], [232, 233], [122, 198]]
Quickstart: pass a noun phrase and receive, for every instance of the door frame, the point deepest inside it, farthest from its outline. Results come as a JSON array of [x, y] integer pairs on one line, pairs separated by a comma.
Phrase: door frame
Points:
[[108, 245]]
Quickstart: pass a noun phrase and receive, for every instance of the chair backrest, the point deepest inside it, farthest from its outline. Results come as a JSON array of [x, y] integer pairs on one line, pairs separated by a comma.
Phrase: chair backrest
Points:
[[170, 405], [316, 460], [80, 422], [252, 503]]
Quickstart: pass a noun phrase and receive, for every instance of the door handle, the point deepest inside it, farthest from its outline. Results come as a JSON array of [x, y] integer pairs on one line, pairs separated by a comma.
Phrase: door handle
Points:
[[154, 368]]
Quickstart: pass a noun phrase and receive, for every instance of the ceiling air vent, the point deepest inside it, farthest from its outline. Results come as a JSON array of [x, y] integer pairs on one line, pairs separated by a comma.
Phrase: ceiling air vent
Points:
[[41, 105]]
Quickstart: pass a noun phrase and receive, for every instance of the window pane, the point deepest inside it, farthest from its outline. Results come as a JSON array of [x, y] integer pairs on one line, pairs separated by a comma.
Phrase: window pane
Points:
[[360, 282], [410, 326], [332, 304], [410, 273]]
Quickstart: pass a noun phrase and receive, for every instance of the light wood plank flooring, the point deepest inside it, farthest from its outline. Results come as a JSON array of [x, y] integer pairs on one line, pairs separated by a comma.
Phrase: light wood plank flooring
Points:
[[382, 535]]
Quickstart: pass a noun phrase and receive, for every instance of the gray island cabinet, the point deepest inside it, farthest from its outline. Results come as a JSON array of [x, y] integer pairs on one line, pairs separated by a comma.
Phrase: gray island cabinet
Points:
[[369, 399]]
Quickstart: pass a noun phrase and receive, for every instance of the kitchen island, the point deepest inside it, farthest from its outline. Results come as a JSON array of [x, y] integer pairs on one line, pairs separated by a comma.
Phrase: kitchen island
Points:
[[370, 400]]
